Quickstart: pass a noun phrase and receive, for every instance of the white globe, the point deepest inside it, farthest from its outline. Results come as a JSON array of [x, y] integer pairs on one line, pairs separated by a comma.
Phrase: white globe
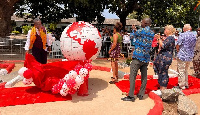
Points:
[[80, 41]]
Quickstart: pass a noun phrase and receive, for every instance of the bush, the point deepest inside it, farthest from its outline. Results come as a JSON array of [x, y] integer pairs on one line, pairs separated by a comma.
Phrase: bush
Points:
[[16, 32], [26, 29]]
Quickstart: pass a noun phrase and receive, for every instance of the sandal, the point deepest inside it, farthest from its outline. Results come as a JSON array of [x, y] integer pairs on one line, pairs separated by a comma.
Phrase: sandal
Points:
[[113, 82], [113, 77]]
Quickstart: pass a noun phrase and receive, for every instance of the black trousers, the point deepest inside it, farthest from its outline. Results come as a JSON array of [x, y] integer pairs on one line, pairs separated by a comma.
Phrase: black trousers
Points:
[[40, 55]]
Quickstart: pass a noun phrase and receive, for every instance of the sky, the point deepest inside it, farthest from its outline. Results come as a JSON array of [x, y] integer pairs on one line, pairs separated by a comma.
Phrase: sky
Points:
[[108, 15]]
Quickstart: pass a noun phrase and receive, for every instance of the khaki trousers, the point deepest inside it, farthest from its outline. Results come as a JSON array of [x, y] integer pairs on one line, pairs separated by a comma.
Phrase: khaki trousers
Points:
[[182, 67]]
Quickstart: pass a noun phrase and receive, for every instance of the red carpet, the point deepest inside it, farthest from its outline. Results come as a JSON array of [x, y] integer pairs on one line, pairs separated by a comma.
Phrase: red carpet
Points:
[[152, 84], [27, 95]]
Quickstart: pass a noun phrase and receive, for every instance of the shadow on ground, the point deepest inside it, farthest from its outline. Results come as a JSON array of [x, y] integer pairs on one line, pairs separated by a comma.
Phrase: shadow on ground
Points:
[[95, 85]]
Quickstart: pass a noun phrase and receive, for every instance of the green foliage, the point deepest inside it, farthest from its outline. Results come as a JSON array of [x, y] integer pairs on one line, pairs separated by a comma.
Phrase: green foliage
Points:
[[25, 29], [175, 12], [122, 8], [162, 12], [16, 32], [132, 15], [52, 26], [55, 10], [128, 61]]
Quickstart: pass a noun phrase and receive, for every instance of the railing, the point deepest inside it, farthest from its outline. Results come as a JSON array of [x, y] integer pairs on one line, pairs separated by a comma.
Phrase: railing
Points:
[[13, 49]]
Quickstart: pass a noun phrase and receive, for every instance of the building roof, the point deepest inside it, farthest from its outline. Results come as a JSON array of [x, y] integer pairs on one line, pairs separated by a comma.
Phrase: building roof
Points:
[[106, 21], [114, 21], [15, 18], [71, 20]]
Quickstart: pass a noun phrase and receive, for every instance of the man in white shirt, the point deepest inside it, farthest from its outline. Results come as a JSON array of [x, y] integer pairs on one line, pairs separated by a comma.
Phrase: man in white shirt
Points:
[[37, 40]]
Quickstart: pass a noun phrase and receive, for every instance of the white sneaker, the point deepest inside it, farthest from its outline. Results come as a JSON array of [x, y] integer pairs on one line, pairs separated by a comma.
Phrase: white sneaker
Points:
[[12, 82], [157, 92]]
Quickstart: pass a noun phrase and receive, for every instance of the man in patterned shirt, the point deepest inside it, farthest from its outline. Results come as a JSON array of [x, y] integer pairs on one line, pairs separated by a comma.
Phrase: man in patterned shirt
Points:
[[185, 48], [140, 58]]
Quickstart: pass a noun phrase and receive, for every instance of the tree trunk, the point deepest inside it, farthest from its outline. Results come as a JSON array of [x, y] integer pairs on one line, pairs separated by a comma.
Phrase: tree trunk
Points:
[[6, 11], [123, 21]]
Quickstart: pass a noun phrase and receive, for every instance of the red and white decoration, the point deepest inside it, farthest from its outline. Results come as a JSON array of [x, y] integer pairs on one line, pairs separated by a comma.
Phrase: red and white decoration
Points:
[[69, 84], [8, 68], [80, 41], [72, 81]]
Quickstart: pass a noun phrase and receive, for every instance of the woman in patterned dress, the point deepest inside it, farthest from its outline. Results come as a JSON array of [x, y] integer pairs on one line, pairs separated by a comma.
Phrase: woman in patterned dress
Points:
[[165, 56], [196, 59], [115, 50]]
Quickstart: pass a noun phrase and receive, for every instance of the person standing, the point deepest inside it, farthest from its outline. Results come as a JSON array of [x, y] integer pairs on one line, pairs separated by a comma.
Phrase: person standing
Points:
[[185, 48], [115, 51], [196, 61], [154, 48], [140, 59], [37, 40], [165, 56]]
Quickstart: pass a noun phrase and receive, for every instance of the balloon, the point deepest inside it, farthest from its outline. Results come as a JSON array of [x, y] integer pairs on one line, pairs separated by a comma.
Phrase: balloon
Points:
[[76, 86], [79, 80], [3, 72], [27, 81], [28, 74], [80, 41], [64, 87], [57, 87], [22, 70], [83, 72], [70, 83], [72, 91], [66, 77], [72, 74], [77, 68], [88, 66], [63, 92]]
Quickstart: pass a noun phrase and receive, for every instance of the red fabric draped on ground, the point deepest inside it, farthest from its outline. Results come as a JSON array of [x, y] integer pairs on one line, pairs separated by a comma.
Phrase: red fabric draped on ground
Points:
[[28, 95], [47, 75], [152, 84]]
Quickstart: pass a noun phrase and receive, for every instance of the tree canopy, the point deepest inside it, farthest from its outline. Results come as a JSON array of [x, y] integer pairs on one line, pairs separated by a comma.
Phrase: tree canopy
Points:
[[162, 12], [175, 12], [55, 10]]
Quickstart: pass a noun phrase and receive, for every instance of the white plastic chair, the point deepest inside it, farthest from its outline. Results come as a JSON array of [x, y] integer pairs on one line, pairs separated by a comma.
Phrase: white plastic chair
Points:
[[55, 52]]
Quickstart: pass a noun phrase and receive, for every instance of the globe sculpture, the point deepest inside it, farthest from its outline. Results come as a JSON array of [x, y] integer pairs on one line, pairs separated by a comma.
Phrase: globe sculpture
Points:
[[80, 41]]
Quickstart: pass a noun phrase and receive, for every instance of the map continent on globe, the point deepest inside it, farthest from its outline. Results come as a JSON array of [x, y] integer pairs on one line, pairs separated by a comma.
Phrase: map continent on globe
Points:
[[80, 41]]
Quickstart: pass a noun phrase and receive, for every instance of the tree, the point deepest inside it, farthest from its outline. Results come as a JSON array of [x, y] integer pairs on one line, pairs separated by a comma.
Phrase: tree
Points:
[[6, 11], [132, 15], [122, 8], [47, 10], [162, 12], [88, 10], [175, 12], [50, 11]]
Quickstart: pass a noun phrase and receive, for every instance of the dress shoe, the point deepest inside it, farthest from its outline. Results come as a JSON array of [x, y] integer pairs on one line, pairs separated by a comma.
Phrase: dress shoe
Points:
[[140, 97], [128, 98]]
